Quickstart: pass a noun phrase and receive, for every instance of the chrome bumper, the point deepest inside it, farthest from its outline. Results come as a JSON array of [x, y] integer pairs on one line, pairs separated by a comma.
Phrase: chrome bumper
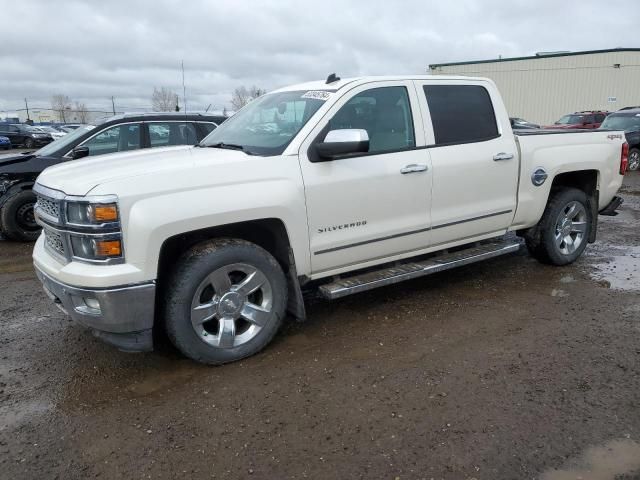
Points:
[[121, 316]]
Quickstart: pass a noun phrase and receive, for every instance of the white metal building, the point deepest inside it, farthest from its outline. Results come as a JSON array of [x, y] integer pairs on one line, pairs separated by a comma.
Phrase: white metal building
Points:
[[546, 86]]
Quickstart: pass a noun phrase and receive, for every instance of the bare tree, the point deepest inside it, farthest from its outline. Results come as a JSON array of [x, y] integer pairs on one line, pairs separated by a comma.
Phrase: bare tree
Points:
[[243, 95], [60, 104], [80, 111], [163, 100]]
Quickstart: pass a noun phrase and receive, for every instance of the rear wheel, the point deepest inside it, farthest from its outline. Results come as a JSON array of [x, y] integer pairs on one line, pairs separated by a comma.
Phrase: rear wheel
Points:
[[226, 301], [564, 229], [634, 159], [17, 219]]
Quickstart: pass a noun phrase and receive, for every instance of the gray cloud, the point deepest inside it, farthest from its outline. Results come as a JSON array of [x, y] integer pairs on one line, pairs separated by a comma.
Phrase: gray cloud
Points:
[[91, 50]]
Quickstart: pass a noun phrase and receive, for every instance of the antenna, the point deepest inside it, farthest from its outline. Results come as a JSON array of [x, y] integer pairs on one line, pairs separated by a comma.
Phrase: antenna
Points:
[[184, 91]]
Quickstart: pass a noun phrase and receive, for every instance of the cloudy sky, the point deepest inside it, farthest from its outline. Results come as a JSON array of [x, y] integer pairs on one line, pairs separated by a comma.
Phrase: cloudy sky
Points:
[[91, 50]]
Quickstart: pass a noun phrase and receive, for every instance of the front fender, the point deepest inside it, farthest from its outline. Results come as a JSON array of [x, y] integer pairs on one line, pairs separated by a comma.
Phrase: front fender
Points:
[[149, 222]]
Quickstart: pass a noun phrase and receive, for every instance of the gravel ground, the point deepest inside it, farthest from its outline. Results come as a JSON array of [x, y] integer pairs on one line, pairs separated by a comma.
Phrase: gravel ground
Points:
[[502, 370]]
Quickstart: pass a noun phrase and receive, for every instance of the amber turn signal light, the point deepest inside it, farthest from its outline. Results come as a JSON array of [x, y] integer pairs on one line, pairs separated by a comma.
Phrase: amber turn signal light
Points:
[[105, 213], [108, 248]]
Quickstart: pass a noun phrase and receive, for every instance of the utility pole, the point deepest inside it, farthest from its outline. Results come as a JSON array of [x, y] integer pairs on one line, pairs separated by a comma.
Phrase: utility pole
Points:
[[113, 105], [27, 107]]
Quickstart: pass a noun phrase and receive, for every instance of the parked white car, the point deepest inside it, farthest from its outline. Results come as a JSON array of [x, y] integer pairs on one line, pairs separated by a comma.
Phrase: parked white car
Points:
[[341, 186], [53, 132]]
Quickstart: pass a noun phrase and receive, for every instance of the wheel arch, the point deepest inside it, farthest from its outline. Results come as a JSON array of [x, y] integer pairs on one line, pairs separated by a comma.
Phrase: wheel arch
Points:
[[588, 181], [268, 233]]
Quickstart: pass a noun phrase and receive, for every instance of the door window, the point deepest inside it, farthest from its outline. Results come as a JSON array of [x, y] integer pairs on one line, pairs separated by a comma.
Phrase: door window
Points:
[[461, 113], [600, 117], [385, 114], [115, 139], [164, 134]]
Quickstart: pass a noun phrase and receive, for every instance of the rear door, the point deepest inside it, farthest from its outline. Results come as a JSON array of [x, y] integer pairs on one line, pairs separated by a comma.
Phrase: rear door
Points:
[[368, 207], [474, 158]]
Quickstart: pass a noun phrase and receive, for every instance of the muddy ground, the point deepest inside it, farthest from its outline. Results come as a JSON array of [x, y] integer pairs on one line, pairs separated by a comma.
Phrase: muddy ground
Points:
[[503, 370]]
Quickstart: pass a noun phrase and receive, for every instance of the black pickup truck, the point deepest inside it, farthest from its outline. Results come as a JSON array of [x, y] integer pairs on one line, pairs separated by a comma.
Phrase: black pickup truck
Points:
[[119, 133]]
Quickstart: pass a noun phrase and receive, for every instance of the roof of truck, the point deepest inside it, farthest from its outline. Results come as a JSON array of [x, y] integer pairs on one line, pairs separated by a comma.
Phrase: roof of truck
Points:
[[337, 85]]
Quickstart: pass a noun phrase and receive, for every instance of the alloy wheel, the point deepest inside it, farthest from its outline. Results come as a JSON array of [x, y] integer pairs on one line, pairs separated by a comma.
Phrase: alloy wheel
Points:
[[571, 228], [231, 305]]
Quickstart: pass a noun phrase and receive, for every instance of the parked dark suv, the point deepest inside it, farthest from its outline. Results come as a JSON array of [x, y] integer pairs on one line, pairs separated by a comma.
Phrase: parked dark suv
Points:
[[25, 135], [580, 120], [627, 119], [120, 133]]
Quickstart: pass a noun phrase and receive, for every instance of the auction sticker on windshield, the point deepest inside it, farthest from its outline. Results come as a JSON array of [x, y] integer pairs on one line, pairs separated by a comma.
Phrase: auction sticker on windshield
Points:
[[317, 94]]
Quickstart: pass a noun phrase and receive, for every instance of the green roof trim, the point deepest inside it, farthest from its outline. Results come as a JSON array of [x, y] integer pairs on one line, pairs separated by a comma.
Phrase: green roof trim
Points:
[[534, 57]]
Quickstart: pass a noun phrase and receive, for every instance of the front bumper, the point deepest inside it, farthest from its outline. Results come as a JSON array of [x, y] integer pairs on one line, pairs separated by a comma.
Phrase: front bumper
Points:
[[121, 316]]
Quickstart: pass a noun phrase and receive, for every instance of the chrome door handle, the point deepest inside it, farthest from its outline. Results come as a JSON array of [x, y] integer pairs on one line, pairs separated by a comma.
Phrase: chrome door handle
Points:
[[498, 157], [413, 168]]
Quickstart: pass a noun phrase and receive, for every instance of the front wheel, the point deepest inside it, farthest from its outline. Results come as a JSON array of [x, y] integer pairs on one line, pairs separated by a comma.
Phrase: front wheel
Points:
[[634, 159], [29, 143], [563, 231], [226, 300]]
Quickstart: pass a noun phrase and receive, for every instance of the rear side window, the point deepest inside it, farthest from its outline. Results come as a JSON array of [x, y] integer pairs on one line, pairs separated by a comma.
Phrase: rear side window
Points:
[[164, 134], [461, 113], [600, 117]]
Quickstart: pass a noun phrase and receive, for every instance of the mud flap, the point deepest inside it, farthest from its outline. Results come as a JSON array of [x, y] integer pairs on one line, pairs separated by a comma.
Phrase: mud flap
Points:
[[295, 304], [594, 200]]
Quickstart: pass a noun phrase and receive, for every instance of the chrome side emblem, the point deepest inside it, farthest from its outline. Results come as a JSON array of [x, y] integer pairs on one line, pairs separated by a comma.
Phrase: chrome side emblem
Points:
[[539, 176]]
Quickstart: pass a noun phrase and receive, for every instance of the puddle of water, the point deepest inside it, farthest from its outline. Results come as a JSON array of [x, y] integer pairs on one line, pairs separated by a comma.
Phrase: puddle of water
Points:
[[621, 270], [615, 458]]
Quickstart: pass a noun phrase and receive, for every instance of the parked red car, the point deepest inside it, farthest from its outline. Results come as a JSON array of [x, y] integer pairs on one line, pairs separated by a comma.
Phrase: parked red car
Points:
[[585, 120]]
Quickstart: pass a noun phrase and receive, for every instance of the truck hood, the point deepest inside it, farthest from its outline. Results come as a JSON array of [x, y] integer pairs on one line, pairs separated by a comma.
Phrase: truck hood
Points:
[[79, 177]]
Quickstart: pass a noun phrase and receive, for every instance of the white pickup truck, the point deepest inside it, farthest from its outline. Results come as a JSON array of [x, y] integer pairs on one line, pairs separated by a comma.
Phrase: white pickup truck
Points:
[[339, 186]]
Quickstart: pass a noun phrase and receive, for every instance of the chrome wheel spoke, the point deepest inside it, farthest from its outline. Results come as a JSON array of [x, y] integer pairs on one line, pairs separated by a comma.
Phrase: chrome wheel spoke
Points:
[[572, 211], [570, 244], [255, 314], [227, 333], [203, 313], [220, 281], [559, 239], [579, 227], [251, 283]]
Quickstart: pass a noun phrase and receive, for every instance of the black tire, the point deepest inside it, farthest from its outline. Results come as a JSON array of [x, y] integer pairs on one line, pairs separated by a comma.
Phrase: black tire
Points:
[[192, 270], [543, 245], [29, 143], [16, 217], [634, 159]]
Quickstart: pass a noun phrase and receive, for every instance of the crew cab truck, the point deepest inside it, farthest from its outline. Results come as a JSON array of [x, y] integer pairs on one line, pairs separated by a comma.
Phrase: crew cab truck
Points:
[[339, 186]]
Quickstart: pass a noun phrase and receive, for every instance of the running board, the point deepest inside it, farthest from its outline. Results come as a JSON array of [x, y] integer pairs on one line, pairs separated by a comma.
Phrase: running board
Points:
[[407, 271]]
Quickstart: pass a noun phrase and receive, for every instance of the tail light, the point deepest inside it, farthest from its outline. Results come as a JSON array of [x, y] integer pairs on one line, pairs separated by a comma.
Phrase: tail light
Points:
[[624, 158]]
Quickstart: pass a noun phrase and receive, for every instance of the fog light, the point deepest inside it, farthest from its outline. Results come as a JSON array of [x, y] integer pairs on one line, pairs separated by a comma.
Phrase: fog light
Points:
[[92, 303]]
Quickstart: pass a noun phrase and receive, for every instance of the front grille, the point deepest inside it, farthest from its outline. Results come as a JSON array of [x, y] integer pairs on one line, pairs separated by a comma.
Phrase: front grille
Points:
[[53, 240], [49, 207]]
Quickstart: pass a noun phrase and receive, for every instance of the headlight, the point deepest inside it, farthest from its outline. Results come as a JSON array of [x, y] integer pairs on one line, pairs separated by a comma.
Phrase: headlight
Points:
[[96, 248], [89, 213]]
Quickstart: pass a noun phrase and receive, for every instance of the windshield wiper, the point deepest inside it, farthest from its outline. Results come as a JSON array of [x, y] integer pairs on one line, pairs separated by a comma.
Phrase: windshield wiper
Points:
[[230, 146]]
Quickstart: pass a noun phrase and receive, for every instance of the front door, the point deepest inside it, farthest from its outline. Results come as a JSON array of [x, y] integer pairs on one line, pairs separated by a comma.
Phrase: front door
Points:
[[475, 162], [363, 209]]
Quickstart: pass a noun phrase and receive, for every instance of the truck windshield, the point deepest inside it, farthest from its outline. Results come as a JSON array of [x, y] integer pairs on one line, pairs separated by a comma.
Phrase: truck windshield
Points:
[[268, 124], [569, 120], [628, 123]]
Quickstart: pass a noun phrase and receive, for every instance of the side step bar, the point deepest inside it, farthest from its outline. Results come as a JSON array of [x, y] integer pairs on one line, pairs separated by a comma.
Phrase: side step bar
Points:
[[407, 271]]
